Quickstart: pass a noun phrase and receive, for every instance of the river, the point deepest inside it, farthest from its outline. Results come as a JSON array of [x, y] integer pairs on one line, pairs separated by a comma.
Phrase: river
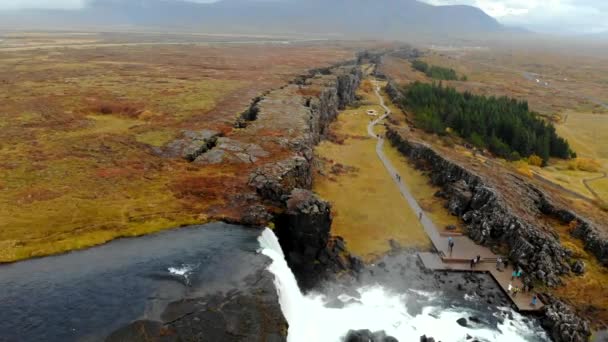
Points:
[[85, 295]]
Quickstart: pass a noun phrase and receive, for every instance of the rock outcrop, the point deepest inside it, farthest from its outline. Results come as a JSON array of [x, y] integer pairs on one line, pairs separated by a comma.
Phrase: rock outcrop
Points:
[[562, 323], [490, 221], [252, 313], [191, 144], [228, 150], [304, 233], [302, 112], [368, 336], [582, 229]]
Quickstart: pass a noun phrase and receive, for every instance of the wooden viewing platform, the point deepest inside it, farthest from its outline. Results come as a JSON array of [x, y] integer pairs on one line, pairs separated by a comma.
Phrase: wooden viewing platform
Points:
[[523, 300], [464, 249]]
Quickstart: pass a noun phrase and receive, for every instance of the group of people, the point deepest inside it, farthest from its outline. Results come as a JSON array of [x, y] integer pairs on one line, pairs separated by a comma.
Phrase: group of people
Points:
[[516, 274], [514, 290], [501, 264]]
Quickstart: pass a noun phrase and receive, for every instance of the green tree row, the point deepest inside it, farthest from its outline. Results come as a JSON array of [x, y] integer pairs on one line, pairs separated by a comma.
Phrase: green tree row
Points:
[[436, 72], [503, 125]]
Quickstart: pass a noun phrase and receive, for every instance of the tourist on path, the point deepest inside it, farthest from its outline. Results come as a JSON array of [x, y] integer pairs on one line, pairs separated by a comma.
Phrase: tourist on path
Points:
[[451, 244], [515, 290], [513, 275], [478, 260], [534, 299], [498, 263], [519, 272], [472, 263], [510, 288]]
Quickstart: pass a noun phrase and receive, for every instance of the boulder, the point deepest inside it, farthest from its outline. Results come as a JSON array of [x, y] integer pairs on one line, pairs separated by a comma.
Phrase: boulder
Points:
[[367, 336], [462, 322], [578, 267]]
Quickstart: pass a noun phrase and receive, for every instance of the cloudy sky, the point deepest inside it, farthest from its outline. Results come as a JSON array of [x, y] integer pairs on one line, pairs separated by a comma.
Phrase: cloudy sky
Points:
[[564, 16]]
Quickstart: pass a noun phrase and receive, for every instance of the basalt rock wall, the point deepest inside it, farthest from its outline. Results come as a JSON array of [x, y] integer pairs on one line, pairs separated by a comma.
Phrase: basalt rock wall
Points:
[[594, 241], [302, 112], [489, 219], [491, 222]]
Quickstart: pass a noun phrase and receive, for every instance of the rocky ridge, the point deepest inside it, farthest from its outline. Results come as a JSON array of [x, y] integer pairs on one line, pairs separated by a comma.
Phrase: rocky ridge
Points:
[[302, 112], [491, 221]]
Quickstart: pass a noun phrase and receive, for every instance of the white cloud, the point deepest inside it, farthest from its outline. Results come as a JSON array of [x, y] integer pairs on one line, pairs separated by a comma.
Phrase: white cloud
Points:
[[40, 4], [564, 16]]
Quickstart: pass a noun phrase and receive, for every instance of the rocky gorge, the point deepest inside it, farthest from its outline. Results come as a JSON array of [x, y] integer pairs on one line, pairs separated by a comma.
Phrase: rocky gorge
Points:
[[302, 219], [300, 114], [492, 220]]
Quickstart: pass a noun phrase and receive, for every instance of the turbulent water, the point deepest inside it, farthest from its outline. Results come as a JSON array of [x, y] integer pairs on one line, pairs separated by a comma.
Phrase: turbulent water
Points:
[[376, 308], [85, 295]]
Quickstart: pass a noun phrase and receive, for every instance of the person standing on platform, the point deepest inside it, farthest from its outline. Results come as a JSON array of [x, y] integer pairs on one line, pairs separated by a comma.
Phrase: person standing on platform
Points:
[[450, 244]]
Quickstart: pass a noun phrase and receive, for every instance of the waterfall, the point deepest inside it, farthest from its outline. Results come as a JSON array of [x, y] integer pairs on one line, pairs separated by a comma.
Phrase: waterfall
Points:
[[376, 309]]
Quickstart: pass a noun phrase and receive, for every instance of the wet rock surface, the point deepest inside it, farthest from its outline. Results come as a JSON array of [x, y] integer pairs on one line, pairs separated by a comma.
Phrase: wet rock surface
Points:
[[368, 336], [249, 314]]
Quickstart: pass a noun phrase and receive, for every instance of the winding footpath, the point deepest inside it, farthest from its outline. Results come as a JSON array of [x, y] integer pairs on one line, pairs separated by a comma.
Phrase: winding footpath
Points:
[[464, 249]]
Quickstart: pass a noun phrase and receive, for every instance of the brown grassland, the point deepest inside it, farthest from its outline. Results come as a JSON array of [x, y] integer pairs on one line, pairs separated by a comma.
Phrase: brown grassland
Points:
[[79, 124]]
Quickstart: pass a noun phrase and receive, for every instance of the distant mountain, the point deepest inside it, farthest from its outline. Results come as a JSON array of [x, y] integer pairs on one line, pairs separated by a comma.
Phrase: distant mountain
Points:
[[368, 18]]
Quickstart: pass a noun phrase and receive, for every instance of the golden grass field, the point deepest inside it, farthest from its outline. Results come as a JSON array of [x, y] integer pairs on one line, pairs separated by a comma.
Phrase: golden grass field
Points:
[[367, 206], [78, 128]]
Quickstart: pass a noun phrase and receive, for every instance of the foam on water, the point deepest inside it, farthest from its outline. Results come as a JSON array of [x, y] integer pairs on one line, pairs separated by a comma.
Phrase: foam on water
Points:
[[376, 309], [183, 270]]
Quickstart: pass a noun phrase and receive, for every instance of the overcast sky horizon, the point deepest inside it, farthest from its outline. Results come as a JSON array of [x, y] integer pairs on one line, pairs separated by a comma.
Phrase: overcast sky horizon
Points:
[[547, 16]]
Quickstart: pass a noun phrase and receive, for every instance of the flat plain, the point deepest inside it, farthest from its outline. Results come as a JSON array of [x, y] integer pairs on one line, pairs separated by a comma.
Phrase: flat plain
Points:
[[82, 118]]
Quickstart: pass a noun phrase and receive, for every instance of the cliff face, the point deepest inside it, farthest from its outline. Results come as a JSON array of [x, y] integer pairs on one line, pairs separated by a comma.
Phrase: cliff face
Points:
[[528, 241], [302, 112], [489, 220]]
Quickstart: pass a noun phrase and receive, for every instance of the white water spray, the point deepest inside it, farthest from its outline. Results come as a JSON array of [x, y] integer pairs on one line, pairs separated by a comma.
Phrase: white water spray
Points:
[[376, 309]]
